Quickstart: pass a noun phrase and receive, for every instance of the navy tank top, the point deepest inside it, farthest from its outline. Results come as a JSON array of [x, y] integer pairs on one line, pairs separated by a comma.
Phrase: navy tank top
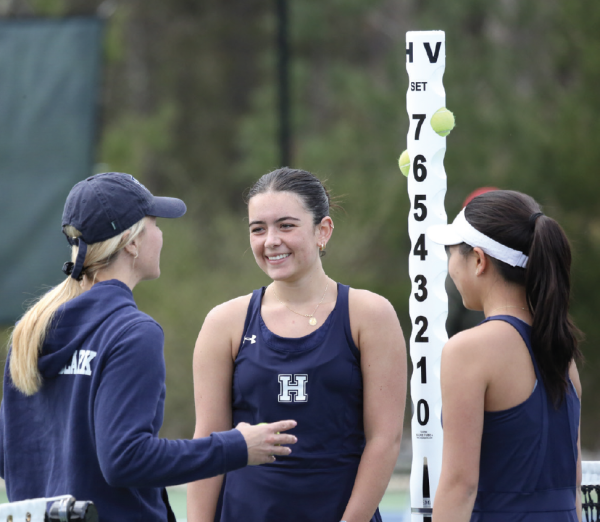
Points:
[[317, 381], [529, 455]]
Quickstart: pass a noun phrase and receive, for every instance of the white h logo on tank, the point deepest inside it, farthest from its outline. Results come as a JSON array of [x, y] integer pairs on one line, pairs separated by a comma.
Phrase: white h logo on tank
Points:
[[293, 385]]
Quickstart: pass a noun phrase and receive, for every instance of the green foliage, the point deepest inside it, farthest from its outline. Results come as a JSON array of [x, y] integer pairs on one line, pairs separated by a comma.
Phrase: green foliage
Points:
[[132, 139], [49, 7], [114, 44]]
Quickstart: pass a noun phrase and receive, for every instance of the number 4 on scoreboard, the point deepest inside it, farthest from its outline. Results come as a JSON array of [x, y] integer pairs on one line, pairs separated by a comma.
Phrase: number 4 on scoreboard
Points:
[[419, 249]]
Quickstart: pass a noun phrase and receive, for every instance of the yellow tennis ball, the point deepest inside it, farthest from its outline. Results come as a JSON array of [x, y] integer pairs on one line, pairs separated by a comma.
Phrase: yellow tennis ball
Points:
[[404, 163], [261, 423], [442, 121]]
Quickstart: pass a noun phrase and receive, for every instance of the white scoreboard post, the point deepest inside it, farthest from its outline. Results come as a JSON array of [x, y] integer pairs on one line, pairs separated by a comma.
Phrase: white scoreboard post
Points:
[[428, 305]]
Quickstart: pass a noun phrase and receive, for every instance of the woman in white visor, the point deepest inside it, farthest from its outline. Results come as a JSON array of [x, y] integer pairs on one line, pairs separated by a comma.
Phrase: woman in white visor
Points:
[[510, 387]]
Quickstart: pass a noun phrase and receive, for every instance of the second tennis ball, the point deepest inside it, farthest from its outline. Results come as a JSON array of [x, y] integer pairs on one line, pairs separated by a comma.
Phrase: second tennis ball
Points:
[[404, 163], [442, 121]]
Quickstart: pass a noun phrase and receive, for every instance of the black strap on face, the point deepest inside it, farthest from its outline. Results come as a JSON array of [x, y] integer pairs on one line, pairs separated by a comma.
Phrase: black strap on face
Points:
[[533, 218], [74, 269]]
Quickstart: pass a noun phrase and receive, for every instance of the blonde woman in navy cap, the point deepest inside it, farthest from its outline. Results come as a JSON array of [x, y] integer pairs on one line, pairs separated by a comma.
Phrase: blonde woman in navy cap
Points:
[[84, 385], [510, 387]]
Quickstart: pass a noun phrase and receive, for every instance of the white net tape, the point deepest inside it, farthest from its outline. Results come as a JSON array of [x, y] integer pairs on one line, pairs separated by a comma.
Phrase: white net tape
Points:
[[590, 473]]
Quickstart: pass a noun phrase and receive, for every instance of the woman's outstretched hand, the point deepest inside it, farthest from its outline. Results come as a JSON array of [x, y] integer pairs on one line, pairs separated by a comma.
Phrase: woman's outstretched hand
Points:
[[265, 441]]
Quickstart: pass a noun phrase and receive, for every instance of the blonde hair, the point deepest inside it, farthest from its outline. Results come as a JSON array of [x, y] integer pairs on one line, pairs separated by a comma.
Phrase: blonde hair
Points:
[[30, 332]]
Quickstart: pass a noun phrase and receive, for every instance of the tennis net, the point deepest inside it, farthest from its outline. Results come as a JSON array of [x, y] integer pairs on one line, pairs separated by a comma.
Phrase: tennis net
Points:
[[590, 488]]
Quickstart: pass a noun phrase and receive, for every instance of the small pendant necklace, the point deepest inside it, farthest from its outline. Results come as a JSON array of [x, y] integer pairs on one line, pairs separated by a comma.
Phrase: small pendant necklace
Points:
[[509, 306], [312, 320]]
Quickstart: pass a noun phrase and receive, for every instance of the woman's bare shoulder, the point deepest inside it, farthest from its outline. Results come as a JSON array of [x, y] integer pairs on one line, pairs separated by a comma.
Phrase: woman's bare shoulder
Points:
[[490, 347], [574, 376], [373, 320], [228, 316], [477, 341], [485, 336], [369, 303], [232, 307], [223, 328]]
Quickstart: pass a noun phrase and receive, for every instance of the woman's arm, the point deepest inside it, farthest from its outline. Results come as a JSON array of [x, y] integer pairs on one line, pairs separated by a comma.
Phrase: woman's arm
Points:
[[377, 333], [213, 374], [464, 383], [574, 376], [127, 404]]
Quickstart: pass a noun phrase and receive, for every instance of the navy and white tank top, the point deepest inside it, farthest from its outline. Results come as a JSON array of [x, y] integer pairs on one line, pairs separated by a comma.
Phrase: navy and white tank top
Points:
[[529, 455], [317, 381]]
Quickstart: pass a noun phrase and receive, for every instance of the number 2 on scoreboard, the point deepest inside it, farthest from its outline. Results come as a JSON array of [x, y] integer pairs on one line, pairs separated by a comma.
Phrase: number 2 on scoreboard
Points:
[[420, 337]]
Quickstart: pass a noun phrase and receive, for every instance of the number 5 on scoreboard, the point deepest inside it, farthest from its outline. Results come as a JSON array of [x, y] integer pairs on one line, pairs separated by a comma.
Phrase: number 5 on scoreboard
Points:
[[420, 206]]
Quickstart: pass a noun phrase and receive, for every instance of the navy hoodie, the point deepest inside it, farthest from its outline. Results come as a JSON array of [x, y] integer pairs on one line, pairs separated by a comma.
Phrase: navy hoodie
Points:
[[92, 429]]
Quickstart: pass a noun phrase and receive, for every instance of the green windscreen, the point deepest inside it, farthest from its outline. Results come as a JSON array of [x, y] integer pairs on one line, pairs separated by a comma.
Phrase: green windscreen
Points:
[[49, 93]]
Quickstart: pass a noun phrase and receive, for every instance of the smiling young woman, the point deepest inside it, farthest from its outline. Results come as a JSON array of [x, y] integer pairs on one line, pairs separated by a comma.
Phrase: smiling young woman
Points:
[[305, 347]]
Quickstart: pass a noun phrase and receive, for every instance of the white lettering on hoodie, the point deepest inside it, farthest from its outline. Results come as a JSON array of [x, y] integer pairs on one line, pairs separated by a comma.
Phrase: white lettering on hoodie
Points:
[[80, 363]]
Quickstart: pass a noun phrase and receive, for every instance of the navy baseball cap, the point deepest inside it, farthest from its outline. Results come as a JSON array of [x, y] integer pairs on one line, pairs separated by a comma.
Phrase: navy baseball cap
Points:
[[105, 205]]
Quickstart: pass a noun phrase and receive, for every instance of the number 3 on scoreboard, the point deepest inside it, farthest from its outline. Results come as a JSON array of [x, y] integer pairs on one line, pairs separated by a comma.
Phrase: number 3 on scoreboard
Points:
[[421, 280]]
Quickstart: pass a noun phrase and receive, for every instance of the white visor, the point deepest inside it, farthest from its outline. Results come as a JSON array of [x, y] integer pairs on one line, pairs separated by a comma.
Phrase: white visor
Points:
[[461, 231]]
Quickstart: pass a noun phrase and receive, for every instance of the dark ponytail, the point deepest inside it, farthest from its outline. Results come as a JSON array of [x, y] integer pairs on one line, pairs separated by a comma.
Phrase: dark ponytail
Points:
[[548, 286], [515, 220]]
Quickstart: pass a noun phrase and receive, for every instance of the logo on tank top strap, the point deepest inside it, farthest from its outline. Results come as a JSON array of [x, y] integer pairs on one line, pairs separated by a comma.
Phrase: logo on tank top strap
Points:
[[292, 388], [251, 339]]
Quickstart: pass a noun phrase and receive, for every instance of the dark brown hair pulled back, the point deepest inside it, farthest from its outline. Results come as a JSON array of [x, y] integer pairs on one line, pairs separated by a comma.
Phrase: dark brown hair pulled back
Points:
[[306, 186], [508, 217]]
